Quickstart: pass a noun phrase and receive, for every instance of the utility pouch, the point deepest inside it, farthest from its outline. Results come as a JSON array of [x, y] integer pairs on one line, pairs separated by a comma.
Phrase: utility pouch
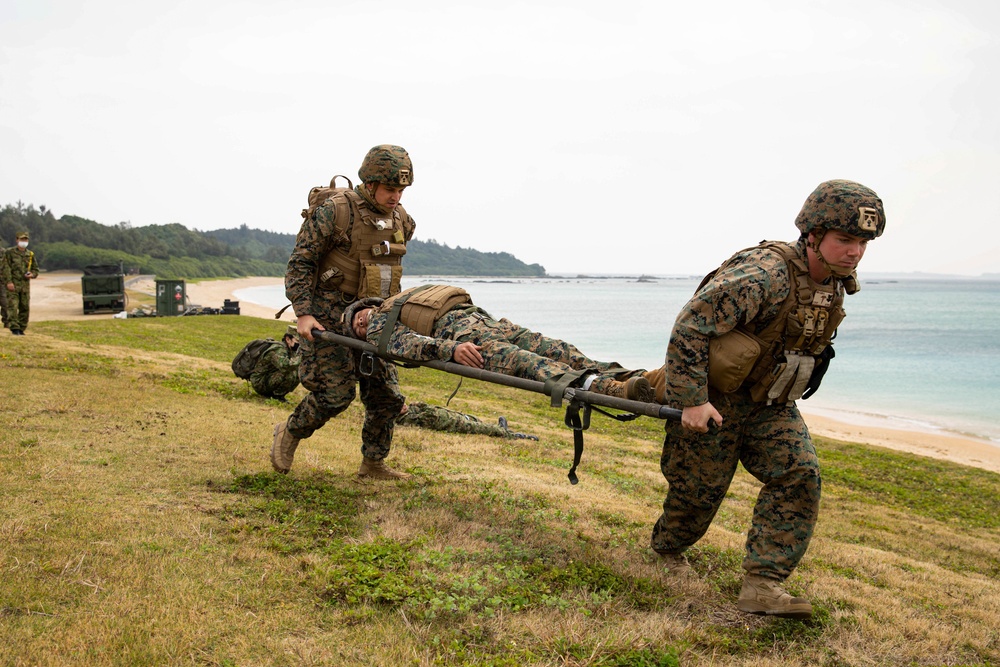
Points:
[[385, 249], [331, 278], [731, 357], [759, 391], [380, 280]]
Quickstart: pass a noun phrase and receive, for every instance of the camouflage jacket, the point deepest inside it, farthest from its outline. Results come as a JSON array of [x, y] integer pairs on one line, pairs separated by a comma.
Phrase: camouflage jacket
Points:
[[277, 372], [14, 264], [463, 323], [316, 238], [751, 289]]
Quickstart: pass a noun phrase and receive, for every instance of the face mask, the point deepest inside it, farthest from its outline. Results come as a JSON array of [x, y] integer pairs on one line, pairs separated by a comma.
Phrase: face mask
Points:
[[22, 244]]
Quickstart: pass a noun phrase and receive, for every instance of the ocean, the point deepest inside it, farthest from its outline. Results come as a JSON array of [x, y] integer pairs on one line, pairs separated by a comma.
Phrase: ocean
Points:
[[913, 354]]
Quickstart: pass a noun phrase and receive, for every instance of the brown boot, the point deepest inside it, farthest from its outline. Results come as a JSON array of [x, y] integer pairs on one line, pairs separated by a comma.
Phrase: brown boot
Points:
[[634, 389], [761, 595], [675, 564], [373, 469], [283, 448]]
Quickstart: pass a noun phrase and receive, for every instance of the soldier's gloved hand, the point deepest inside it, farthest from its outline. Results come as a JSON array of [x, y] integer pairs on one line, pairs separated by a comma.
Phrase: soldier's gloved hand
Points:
[[819, 370]]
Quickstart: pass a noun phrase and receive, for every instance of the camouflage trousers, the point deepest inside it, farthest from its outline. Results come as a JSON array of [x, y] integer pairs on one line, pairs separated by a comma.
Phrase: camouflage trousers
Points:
[[18, 306], [330, 372], [513, 350], [275, 383], [3, 304], [773, 444], [442, 419]]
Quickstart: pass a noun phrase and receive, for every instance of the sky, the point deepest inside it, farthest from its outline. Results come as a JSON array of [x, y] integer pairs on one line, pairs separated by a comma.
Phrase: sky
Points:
[[590, 137]]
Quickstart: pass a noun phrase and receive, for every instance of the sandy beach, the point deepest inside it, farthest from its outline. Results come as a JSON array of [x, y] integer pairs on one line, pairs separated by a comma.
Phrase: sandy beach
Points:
[[56, 296]]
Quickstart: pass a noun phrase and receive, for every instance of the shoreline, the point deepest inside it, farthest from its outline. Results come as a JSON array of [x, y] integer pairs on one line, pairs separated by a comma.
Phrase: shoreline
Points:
[[56, 296]]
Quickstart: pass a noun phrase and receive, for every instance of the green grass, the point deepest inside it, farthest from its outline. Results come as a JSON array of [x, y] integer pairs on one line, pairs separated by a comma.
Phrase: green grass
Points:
[[143, 525]]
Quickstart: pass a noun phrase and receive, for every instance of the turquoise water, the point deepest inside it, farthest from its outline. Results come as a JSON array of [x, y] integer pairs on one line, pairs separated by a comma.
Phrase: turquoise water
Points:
[[912, 354]]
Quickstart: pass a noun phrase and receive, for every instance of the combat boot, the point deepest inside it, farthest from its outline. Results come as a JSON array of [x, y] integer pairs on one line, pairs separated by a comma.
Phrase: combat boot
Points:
[[283, 448], [676, 564], [764, 596], [634, 389], [372, 469]]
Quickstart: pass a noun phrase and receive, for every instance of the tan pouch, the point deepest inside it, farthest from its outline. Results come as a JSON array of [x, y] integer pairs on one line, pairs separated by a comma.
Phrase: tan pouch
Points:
[[731, 357], [381, 280]]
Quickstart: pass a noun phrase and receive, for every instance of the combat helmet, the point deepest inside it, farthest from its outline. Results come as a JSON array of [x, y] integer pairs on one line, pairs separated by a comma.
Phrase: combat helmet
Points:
[[347, 318], [387, 164], [845, 206]]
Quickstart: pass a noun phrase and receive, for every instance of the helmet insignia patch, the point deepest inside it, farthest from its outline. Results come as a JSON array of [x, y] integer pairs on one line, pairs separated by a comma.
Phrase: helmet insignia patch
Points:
[[867, 218], [404, 176]]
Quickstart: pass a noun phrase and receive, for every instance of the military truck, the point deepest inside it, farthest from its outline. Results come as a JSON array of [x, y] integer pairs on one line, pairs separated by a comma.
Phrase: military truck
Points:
[[103, 287]]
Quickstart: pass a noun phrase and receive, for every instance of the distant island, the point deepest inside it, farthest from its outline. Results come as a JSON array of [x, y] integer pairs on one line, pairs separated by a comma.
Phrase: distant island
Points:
[[70, 242]]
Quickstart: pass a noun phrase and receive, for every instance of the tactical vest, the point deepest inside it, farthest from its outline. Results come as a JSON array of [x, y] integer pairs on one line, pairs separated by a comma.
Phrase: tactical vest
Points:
[[790, 343], [419, 307], [367, 259]]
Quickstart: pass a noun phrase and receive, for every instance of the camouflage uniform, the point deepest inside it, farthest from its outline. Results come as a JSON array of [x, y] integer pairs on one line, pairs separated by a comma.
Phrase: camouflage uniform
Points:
[[507, 347], [3, 292], [276, 373], [769, 438], [442, 419], [771, 442], [15, 264], [328, 370]]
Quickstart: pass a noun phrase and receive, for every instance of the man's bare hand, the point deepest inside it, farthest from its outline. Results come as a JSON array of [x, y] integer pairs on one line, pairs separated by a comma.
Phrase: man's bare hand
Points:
[[305, 324], [696, 417], [468, 354]]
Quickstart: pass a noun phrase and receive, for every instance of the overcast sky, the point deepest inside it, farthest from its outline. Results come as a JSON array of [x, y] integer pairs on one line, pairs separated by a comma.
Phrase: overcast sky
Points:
[[599, 137]]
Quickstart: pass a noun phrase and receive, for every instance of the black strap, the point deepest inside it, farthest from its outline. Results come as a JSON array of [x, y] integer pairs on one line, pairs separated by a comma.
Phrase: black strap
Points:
[[627, 417], [390, 322], [457, 387], [578, 425]]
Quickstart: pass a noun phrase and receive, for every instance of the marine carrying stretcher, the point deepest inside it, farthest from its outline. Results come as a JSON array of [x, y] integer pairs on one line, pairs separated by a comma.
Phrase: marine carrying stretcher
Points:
[[558, 391]]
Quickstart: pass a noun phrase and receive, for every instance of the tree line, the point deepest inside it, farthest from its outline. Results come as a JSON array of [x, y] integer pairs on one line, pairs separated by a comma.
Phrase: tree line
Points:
[[173, 251]]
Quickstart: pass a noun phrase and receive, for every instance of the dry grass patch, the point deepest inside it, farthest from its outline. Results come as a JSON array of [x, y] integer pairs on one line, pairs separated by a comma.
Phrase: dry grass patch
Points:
[[143, 525]]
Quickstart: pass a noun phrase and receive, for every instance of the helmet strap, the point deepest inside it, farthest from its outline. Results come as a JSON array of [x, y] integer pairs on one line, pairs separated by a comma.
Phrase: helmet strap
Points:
[[369, 196], [836, 271]]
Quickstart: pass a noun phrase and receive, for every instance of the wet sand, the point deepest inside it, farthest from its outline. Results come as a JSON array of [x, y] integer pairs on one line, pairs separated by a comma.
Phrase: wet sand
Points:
[[56, 296]]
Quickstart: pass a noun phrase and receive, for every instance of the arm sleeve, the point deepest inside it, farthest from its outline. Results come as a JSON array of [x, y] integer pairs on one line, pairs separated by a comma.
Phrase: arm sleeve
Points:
[[406, 343], [315, 237]]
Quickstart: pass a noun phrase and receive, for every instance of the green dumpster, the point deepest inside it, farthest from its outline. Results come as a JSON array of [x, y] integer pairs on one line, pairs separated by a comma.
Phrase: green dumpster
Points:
[[171, 298]]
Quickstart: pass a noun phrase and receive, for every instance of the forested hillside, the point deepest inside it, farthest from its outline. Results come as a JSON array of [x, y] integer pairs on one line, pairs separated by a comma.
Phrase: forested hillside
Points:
[[174, 251]]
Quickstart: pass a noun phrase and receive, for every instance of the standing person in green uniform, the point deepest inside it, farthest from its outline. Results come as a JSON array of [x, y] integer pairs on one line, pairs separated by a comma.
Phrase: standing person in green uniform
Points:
[[3, 291], [17, 269], [754, 338]]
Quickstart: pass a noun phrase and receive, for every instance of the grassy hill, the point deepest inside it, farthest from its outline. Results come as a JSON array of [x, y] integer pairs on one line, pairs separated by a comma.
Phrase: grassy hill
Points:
[[142, 524]]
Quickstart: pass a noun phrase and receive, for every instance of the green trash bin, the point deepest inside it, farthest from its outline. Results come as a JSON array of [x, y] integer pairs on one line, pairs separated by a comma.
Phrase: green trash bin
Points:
[[171, 298]]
